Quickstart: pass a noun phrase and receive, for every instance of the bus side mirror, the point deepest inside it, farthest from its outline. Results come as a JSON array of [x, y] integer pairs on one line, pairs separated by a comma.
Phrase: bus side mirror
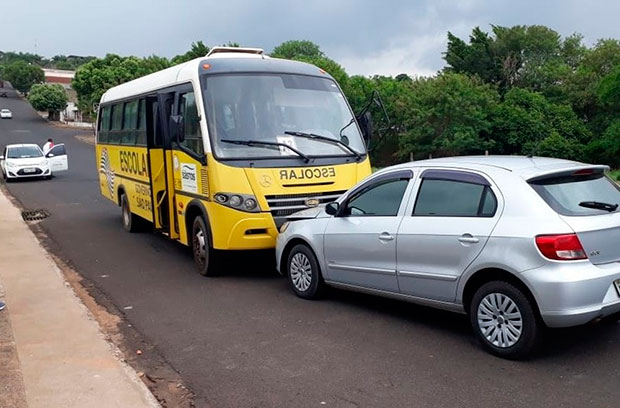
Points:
[[332, 208], [365, 121], [177, 128]]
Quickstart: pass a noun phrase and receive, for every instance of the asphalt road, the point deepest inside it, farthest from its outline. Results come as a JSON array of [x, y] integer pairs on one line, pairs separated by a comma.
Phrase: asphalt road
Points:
[[244, 340]]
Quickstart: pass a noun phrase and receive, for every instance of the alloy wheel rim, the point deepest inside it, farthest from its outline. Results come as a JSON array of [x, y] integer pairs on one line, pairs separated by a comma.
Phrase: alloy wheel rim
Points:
[[199, 246], [301, 271], [500, 320]]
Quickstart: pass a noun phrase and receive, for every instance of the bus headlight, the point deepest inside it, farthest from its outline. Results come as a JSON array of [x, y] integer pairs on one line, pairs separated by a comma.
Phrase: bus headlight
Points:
[[235, 201], [221, 198], [249, 204], [242, 202]]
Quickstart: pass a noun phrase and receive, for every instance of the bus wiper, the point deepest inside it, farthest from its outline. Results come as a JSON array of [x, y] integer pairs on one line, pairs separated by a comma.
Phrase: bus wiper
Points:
[[260, 143], [597, 205], [314, 136]]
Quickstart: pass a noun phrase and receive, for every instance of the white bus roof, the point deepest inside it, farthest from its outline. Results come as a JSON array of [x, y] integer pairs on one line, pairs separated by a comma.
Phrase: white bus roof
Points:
[[251, 60]]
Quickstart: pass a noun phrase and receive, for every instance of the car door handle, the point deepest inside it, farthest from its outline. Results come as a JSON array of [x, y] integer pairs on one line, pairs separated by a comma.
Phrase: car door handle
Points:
[[386, 237], [468, 239]]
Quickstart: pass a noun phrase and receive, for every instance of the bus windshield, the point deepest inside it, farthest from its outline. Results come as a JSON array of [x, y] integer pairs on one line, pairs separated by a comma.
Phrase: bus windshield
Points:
[[265, 107]]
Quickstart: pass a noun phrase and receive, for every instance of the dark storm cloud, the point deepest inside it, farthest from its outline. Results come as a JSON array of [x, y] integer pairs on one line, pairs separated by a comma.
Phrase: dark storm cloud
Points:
[[366, 36]]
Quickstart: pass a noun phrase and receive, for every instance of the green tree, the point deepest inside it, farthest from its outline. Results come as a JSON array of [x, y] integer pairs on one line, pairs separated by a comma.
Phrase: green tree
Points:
[[476, 58], [97, 76], [23, 75], [605, 149], [609, 89], [447, 115], [533, 57], [527, 123], [197, 50], [295, 49], [48, 97]]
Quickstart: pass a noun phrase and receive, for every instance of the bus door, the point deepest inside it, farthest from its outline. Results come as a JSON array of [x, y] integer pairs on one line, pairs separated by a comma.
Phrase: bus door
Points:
[[157, 163], [165, 102]]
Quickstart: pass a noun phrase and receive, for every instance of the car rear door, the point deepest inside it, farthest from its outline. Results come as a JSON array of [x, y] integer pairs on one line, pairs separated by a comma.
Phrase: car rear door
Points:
[[360, 241], [448, 222], [57, 158]]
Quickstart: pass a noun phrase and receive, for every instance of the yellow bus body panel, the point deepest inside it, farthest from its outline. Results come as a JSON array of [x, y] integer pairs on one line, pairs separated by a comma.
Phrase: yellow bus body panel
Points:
[[189, 181], [126, 168]]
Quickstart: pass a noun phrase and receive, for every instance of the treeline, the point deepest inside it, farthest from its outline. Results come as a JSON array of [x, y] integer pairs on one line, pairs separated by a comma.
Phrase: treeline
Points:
[[515, 90], [69, 62]]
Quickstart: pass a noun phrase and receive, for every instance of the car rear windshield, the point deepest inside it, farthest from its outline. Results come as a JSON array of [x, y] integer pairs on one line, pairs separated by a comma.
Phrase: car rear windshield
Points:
[[565, 193], [23, 152]]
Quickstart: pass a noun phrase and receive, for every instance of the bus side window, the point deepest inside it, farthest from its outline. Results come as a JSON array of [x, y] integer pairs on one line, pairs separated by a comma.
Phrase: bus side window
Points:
[[104, 125], [117, 123], [129, 123], [155, 135], [141, 133], [189, 111]]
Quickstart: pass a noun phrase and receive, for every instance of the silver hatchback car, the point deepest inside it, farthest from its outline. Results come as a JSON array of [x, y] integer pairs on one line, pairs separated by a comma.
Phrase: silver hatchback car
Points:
[[515, 242]]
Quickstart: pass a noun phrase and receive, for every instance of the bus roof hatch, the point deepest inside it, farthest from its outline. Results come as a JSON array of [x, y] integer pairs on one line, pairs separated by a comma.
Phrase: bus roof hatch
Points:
[[238, 50]]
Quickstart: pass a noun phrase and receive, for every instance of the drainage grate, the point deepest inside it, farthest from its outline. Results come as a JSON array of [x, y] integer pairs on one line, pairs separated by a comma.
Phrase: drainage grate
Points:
[[35, 215]]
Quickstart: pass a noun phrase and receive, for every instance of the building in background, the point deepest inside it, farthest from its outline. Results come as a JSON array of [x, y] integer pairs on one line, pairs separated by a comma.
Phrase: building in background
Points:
[[64, 77]]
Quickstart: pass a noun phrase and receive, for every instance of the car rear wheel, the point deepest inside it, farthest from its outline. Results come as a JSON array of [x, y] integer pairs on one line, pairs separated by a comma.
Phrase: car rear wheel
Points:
[[303, 272], [505, 320]]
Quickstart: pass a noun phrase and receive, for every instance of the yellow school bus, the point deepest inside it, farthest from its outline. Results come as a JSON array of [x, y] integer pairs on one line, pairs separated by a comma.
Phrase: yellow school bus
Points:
[[218, 151]]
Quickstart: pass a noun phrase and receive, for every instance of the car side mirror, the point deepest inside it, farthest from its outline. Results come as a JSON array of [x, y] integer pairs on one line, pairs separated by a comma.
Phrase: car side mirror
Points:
[[332, 208], [49, 155], [177, 128], [1, 157]]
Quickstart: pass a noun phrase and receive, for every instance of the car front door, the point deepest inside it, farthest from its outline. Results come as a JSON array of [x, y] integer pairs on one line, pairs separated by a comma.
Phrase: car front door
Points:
[[360, 240], [57, 158], [447, 224]]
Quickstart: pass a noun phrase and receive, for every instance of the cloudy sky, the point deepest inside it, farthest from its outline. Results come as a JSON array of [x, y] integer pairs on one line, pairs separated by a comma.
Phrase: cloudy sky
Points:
[[365, 36]]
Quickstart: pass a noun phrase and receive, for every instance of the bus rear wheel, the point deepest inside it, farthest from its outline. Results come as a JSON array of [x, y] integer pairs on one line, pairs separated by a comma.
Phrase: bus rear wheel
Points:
[[201, 247], [131, 221]]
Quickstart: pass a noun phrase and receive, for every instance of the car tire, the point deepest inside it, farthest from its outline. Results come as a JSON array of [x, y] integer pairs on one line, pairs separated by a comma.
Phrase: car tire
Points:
[[303, 272], [505, 321], [204, 254], [131, 222]]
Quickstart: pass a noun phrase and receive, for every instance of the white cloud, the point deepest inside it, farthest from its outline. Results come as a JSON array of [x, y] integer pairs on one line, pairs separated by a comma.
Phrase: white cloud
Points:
[[400, 56]]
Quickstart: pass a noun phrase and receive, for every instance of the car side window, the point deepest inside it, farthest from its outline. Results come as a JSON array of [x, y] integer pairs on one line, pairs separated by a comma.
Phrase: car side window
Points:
[[58, 150], [378, 200], [454, 198]]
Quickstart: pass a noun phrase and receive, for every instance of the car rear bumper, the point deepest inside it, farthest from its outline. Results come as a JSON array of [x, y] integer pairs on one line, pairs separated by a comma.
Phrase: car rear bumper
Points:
[[574, 293]]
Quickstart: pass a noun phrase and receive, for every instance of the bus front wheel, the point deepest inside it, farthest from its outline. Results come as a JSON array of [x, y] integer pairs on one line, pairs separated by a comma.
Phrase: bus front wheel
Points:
[[201, 248]]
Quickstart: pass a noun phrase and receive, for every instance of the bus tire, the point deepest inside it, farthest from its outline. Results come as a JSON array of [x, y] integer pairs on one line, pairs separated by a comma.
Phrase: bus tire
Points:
[[204, 258], [131, 221]]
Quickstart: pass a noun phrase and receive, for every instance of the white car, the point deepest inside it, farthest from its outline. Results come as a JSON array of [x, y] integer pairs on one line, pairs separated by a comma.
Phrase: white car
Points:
[[28, 160], [5, 114]]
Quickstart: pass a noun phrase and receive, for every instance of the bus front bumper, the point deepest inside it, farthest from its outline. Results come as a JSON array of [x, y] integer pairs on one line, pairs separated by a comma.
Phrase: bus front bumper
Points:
[[233, 229]]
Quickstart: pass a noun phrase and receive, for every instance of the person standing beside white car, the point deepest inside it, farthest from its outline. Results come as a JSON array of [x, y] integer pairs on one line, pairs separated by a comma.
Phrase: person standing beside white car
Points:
[[48, 146]]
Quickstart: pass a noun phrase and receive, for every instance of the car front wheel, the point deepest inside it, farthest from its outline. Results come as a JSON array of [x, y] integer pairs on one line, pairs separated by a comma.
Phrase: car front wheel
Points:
[[505, 320], [303, 272]]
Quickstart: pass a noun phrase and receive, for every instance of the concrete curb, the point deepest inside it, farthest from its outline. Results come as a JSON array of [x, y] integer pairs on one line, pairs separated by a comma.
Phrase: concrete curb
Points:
[[64, 357]]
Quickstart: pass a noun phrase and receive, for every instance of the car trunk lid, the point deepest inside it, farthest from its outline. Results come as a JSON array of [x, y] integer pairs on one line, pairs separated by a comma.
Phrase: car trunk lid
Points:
[[571, 193]]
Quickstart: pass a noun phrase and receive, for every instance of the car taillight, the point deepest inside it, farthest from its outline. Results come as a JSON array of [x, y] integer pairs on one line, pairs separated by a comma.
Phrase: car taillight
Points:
[[565, 247]]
